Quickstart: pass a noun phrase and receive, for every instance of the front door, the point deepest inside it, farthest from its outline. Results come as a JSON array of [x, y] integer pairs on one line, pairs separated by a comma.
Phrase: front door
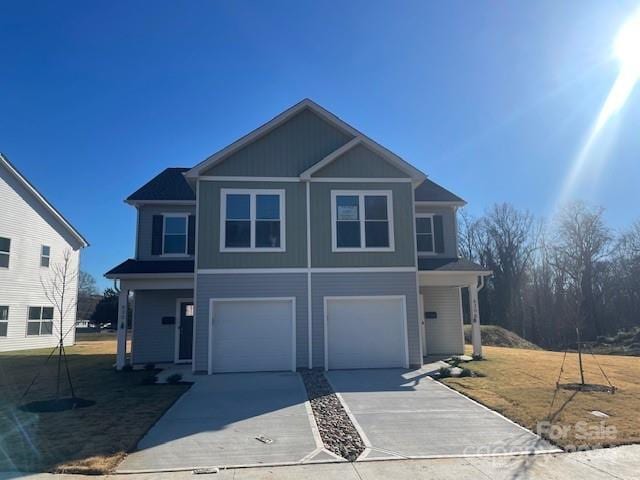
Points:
[[185, 332]]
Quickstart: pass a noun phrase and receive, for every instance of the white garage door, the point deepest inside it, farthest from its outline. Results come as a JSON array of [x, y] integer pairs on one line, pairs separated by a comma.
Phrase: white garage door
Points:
[[252, 335], [365, 332]]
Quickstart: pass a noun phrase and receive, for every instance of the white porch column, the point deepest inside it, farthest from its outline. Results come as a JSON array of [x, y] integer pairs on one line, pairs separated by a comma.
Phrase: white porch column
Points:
[[123, 307], [475, 319]]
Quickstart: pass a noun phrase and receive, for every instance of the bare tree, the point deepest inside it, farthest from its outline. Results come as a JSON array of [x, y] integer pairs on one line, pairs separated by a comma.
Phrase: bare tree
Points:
[[512, 237], [582, 240], [57, 287]]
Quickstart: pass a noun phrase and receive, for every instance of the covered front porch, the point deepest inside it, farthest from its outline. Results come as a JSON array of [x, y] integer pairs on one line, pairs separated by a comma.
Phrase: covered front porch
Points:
[[162, 313], [441, 282]]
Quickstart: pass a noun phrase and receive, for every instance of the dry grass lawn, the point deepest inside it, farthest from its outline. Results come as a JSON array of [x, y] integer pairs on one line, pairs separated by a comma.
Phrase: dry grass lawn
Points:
[[87, 440], [521, 384]]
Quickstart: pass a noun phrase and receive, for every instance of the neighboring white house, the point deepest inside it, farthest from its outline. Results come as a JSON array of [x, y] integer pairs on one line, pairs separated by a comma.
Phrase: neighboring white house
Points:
[[33, 237]]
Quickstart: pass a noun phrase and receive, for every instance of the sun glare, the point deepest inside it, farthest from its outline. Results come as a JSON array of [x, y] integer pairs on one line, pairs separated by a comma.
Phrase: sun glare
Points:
[[626, 49], [627, 44]]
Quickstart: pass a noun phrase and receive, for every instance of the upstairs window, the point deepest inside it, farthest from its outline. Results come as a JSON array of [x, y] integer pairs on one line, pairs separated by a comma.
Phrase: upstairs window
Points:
[[40, 321], [5, 248], [4, 320], [424, 234], [362, 221], [174, 234], [45, 254], [252, 220]]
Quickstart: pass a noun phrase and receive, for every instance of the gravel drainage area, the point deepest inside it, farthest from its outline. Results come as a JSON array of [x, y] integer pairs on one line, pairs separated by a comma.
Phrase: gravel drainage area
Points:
[[338, 433]]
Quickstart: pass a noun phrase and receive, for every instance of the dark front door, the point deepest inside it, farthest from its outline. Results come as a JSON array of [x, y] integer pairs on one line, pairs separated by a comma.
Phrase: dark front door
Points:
[[185, 344]]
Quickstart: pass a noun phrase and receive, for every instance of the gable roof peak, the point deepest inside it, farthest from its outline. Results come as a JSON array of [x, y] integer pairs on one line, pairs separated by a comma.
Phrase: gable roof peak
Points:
[[4, 162], [289, 113]]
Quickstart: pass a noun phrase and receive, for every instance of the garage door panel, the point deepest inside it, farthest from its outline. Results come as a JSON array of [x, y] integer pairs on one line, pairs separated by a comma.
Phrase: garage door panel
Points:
[[366, 333], [252, 335]]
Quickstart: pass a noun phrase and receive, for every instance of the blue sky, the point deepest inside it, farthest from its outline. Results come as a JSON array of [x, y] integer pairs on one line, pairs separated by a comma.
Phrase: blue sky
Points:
[[491, 99]]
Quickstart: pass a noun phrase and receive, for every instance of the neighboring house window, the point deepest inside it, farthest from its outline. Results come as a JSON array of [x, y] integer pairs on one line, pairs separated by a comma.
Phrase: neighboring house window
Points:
[[40, 321], [45, 253], [252, 220], [5, 248], [4, 320], [362, 221], [175, 235], [424, 233]]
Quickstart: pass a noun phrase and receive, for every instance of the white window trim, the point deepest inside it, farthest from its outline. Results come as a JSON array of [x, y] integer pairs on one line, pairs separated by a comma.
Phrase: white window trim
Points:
[[42, 255], [252, 218], [433, 235], [7, 253], [361, 213], [40, 320], [6, 321], [186, 233]]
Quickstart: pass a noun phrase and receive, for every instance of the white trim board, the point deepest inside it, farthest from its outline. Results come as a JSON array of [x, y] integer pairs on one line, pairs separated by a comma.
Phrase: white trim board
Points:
[[222, 271], [253, 299], [226, 178]]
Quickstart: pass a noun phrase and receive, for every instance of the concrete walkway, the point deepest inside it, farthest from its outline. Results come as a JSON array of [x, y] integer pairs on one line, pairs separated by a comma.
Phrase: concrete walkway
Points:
[[619, 463], [406, 414], [232, 420]]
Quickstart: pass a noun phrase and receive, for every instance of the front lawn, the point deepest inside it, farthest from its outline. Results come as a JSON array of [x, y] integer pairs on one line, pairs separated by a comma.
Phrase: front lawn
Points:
[[92, 439], [521, 384]]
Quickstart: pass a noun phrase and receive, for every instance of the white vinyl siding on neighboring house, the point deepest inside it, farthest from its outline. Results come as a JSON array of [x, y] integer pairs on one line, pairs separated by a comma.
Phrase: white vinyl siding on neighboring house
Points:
[[362, 221], [29, 226], [252, 220]]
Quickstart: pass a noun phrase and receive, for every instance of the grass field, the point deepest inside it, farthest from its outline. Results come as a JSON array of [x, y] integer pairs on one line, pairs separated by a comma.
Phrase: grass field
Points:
[[521, 385], [87, 440]]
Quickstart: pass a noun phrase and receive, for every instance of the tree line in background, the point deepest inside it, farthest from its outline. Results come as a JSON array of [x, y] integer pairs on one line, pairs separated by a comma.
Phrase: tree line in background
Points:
[[551, 277]]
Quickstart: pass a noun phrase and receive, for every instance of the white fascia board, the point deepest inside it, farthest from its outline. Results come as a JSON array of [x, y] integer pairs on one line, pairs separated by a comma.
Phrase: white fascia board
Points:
[[147, 276], [461, 203], [4, 161], [483, 273], [136, 203]]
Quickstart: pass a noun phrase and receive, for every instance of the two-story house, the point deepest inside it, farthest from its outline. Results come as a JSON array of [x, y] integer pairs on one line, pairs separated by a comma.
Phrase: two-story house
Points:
[[34, 238], [304, 244]]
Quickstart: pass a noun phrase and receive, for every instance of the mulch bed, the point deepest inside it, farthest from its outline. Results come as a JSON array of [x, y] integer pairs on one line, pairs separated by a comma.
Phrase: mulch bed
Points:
[[338, 433]]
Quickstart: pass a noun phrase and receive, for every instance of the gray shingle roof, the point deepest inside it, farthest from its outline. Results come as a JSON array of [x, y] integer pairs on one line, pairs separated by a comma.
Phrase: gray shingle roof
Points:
[[132, 266], [170, 184], [429, 191], [449, 265]]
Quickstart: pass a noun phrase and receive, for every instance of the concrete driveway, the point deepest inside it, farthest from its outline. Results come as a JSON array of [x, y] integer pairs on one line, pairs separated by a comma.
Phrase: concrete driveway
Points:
[[404, 414], [217, 421]]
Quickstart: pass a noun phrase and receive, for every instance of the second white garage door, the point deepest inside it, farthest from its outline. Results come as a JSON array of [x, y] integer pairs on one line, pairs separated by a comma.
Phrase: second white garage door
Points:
[[365, 332], [252, 335]]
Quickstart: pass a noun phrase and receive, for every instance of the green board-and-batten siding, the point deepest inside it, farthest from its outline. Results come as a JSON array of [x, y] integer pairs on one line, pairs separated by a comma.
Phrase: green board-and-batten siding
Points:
[[360, 162], [209, 254], [321, 254], [286, 151]]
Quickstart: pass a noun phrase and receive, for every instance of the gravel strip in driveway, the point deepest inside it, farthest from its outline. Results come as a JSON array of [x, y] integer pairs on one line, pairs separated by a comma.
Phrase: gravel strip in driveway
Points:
[[338, 433]]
